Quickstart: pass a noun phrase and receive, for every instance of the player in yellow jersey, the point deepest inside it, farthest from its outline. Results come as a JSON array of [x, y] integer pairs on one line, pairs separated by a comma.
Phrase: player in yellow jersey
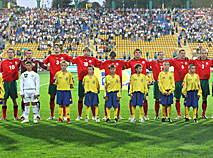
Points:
[[2, 92], [91, 90], [138, 91], [166, 87], [64, 81], [192, 91], [112, 92]]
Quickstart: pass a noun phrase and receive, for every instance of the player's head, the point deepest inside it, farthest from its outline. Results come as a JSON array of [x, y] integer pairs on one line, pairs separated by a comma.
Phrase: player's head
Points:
[[29, 65], [138, 68], [29, 54], [160, 56], [166, 65], [112, 55], [147, 73], [57, 49], [90, 69], [10, 53], [182, 54], [203, 54], [137, 53], [112, 69], [192, 68], [63, 65], [86, 51]]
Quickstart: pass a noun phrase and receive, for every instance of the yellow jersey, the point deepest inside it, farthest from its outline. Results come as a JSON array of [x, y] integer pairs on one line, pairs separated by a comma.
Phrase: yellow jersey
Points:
[[112, 84], [91, 84], [138, 84], [63, 81], [191, 82], [166, 82], [2, 92]]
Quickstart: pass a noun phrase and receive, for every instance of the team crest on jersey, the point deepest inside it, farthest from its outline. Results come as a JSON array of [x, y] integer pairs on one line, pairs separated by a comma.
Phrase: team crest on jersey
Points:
[[90, 61], [60, 77], [207, 63], [32, 75], [116, 81], [67, 78], [87, 81], [190, 79], [93, 82], [141, 80], [25, 75], [170, 77], [143, 62], [117, 64], [62, 58], [163, 77], [196, 80], [135, 79], [186, 63]]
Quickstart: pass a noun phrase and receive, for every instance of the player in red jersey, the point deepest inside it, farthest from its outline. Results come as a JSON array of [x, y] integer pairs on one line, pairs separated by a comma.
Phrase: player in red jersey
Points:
[[82, 63], [157, 67], [10, 68], [29, 57], [203, 65], [54, 61], [180, 64], [131, 64], [119, 64]]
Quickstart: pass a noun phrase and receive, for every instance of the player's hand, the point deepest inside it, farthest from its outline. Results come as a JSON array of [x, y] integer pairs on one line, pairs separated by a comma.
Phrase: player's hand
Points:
[[131, 97], [35, 96], [118, 98], [106, 98], [48, 68], [144, 96], [186, 96], [168, 93], [198, 96], [22, 96]]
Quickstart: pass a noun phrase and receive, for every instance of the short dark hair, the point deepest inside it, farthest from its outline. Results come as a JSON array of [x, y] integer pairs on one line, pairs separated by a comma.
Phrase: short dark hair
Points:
[[137, 50], [111, 66], [190, 66], [91, 66], [29, 62], [137, 66], [57, 45], [160, 52], [181, 50], [112, 53], [11, 49]]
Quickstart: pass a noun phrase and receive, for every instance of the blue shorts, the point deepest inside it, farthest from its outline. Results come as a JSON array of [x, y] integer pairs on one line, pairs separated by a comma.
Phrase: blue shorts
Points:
[[64, 97], [128, 88], [1, 101], [112, 101], [91, 99], [138, 99], [192, 99], [166, 100]]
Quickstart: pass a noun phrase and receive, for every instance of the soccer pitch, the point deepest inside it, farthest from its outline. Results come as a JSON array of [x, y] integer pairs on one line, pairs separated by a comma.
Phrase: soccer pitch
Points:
[[90, 139]]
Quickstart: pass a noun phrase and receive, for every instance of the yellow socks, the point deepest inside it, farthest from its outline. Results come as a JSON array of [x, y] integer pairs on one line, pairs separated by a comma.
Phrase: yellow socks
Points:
[[187, 112], [60, 112], [97, 111], [133, 111], [163, 111], [87, 112], [115, 113], [108, 113], [68, 111], [141, 111], [194, 113], [169, 109]]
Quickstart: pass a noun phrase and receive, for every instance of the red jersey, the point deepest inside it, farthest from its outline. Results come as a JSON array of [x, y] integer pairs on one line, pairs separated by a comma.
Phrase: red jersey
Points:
[[156, 68], [180, 68], [54, 61], [131, 64], [83, 63], [203, 68], [10, 69], [35, 66]]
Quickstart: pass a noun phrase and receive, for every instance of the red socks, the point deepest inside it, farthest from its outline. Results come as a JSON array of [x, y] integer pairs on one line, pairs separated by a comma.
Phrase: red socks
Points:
[[52, 107], [130, 107], [119, 108], [80, 108], [204, 106], [15, 109], [166, 110], [105, 109], [145, 107], [4, 111], [64, 111], [157, 106], [177, 105], [93, 110]]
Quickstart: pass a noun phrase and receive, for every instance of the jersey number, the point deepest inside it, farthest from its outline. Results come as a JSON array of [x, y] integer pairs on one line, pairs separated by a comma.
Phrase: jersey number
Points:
[[182, 67], [85, 63], [12, 67], [161, 68], [202, 66], [57, 62]]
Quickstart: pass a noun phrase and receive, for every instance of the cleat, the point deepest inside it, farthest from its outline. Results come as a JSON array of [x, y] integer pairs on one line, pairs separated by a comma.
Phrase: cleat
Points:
[[186, 120], [166, 117], [178, 117], [97, 120], [78, 118], [3, 118], [68, 120], [16, 119], [93, 118], [120, 118], [86, 120], [25, 121], [59, 120], [108, 120], [204, 117], [141, 119], [65, 118], [189, 117], [195, 120], [133, 119], [146, 117], [212, 117], [116, 120], [105, 118], [156, 117], [39, 118], [169, 120], [130, 118], [51, 118], [21, 118], [35, 121], [163, 120]]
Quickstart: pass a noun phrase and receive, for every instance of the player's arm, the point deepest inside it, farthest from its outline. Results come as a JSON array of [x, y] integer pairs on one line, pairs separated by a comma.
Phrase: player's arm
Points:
[[47, 60], [145, 87], [83, 84], [131, 87], [161, 86], [37, 86], [55, 79], [124, 63], [22, 86], [71, 81], [105, 90], [68, 58], [199, 87], [148, 66], [101, 66], [75, 60], [98, 85], [184, 91], [119, 87], [97, 62], [2, 87], [43, 66], [172, 85]]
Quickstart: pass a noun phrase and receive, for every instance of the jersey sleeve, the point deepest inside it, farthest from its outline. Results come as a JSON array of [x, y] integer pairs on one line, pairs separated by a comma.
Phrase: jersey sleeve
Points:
[[199, 86], [101, 66], [97, 84], [171, 61], [131, 86], [127, 64], [46, 61], [67, 57], [37, 85], [161, 88], [172, 84], [2, 92], [71, 81], [105, 88], [21, 85], [119, 91], [97, 62], [41, 64], [75, 60], [184, 91], [145, 86]]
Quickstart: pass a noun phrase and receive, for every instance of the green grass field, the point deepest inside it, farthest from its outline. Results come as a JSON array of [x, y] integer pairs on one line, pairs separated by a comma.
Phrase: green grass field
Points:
[[122, 139]]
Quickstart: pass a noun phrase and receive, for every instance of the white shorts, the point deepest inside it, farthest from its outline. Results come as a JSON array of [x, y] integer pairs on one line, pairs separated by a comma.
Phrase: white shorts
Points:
[[29, 95]]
